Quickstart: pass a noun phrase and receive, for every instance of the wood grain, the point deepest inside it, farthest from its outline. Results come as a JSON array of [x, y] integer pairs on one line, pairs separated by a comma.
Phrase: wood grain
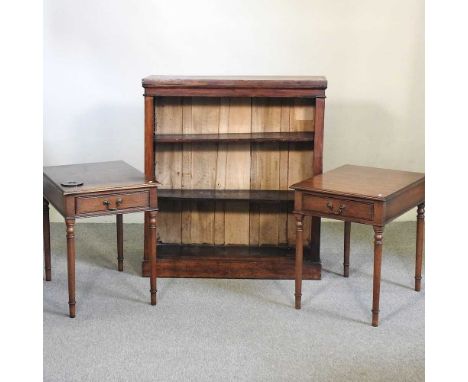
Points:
[[267, 262], [233, 82], [258, 164], [286, 137], [219, 230], [238, 172], [149, 132], [300, 160], [283, 173], [266, 117], [186, 212], [236, 86], [205, 120], [364, 195], [169, 114]]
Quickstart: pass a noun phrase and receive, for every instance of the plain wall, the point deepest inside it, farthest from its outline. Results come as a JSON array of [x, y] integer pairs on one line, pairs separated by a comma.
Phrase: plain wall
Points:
[[372, 52]]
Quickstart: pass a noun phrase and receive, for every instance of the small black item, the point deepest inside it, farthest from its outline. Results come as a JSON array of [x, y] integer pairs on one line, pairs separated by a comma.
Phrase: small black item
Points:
[[72, 183]]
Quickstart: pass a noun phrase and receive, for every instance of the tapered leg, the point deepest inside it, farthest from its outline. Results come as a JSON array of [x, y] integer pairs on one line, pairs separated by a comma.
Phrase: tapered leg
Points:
[[299, 259], [46, 232], [71, 264], [120, 256], [419, 247], [378, 242], [151, 245], [347, 239]]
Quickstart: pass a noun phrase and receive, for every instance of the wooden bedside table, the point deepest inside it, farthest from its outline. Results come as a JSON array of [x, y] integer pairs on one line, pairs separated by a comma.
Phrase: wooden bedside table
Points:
[[363, 195], [97, 189]]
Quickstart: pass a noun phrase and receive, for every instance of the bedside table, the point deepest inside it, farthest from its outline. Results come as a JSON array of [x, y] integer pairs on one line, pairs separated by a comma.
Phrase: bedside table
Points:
[[363, 195], [98, 189]]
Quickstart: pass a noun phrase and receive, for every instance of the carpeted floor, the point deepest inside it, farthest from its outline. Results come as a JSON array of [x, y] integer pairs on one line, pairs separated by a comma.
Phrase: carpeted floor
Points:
[[233, 330]]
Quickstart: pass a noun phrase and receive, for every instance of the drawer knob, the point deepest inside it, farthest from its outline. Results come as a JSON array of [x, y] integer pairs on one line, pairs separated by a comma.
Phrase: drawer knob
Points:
[[339, 211], [108, 204]]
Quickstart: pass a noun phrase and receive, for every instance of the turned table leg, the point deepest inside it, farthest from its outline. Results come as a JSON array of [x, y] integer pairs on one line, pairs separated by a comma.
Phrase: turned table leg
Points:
[[347, 239], [378, 239], [120, 256], [299, 259], [152, 247], [145, 240], [70, 222], [419, 246], [46, 232]]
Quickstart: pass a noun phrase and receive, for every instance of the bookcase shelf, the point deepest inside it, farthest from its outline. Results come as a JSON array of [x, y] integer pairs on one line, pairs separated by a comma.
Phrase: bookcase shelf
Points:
[[235, 137], [247, 262], [254, 195]]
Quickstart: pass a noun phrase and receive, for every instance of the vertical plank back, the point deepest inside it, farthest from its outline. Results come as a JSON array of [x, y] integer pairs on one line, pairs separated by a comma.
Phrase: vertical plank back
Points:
[[205, 120], [168, 116], [265, 166], [238, 172], [265, 175]]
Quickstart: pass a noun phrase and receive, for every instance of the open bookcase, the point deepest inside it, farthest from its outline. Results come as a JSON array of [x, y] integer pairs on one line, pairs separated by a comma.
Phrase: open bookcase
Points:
[[225, 150]]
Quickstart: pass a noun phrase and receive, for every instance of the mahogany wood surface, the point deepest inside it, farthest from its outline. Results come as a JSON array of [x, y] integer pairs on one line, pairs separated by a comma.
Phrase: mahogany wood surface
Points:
[[93, 204], [235, 82], [363, 182], [419, 247], [235, 261], [148, 138], [70, 223], [46, 232], [339, 206], [211, 140], [96, 177], [364, 195], [152, 253], [232, 92], [235, 86], [299, 259], [109, 188], [317, 164], [378, 242], [149, 160]]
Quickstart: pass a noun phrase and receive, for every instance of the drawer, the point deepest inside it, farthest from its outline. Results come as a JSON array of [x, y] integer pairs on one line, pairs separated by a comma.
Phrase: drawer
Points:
[[335, 207], [111, 202]]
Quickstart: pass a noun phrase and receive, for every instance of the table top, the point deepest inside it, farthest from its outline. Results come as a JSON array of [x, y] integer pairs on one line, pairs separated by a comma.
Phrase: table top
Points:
[[95, 177], [360, 181]]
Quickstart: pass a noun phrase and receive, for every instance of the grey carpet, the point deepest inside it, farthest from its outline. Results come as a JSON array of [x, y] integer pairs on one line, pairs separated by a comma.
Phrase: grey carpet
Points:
[[233, 330]]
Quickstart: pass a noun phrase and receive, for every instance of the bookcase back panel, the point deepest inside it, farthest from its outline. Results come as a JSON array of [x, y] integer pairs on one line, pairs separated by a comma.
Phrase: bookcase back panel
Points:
[[264, 166]]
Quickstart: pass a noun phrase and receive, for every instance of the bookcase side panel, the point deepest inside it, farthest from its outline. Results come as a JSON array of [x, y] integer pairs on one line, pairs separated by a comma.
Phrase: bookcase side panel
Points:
[[300, 160]]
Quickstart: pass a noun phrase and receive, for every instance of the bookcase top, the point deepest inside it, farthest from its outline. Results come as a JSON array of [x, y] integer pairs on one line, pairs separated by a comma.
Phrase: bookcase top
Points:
[[217, 82]]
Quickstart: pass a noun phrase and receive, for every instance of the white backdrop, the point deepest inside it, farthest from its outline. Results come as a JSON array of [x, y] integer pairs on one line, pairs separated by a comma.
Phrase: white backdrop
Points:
[[372, 52]]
